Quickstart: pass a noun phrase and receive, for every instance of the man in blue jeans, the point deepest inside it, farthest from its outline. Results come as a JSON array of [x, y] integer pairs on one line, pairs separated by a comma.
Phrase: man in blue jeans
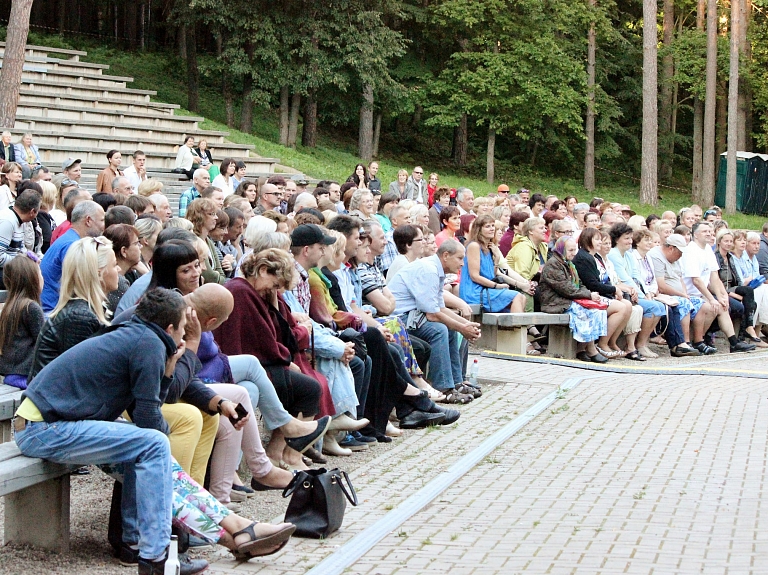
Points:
[[418, 291], [69, 411]]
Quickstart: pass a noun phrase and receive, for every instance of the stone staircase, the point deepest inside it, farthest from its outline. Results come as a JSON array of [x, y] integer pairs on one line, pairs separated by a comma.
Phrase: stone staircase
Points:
[[76, 109]]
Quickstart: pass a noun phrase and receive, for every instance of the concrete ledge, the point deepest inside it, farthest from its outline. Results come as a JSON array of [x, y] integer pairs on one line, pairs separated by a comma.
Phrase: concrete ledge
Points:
[[32, 47]]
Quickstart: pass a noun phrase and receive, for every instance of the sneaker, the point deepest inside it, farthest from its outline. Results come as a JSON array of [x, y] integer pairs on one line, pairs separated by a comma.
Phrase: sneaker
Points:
[[360, 437], [188, 566], [705, 349], [350, 442], [129, 557], [742, 346], [680, 351]]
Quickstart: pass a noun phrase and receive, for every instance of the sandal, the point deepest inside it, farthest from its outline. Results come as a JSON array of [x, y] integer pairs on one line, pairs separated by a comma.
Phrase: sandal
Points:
[[530, 350], [453, 396], [635, 356], [609, 354], [261, 546]]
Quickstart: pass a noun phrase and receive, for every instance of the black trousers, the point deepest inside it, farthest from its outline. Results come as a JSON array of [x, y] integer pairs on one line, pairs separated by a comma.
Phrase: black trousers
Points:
[[386, 385], [297, 392]]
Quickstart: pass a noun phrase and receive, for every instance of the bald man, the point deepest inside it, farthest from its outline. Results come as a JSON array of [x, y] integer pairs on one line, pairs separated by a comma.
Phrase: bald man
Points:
[[670, 216], [213, 304]]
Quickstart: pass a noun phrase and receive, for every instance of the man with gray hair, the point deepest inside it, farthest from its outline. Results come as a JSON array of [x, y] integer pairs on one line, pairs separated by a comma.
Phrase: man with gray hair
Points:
[[304, 200], [12, 220], [7, 153], [162, 207], [121, 185], [465, 200], [762, 255], [398, 216], [87, 220], [201, 179], [418, 292]]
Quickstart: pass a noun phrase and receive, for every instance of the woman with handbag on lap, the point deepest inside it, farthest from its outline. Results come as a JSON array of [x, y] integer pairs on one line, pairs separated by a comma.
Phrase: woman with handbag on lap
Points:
[[594, 275], [562, 292]]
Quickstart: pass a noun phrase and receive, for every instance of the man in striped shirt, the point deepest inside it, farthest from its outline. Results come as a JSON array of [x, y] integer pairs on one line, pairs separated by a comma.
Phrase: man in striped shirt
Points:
[[23, 210]]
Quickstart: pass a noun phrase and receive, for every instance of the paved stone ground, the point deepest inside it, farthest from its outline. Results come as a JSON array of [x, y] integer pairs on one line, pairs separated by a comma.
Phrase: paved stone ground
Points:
[[623, 474]]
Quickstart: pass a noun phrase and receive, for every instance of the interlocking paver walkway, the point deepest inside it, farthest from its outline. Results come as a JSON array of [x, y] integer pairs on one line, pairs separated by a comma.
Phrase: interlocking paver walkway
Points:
[[624, 474]]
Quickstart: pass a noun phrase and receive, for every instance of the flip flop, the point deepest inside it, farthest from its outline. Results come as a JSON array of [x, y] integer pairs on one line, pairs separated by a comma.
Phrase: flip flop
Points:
[[261, 546]]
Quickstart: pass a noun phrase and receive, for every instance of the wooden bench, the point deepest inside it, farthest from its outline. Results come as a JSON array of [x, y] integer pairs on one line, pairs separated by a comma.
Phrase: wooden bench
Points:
[[36, 499], [508, 332]]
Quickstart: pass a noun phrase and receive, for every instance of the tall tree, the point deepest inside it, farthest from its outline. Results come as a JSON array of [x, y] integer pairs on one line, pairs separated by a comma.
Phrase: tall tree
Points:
[[666, 137], [733, 109], [589, 131], [710, 105], [698, 118], [13, 61], [648, 168], [365, 138]]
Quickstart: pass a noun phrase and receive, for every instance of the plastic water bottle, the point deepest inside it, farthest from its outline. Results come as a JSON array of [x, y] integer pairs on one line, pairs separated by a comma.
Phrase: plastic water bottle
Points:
[[172, 565], [473, 372]]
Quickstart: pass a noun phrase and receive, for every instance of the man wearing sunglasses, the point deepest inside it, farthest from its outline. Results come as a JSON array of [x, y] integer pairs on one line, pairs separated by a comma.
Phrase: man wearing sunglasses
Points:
[[270, 199], [416, 186]]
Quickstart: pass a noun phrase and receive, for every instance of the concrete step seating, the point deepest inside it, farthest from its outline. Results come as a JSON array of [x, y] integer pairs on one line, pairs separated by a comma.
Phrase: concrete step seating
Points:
[[76, 109], [508, 332], [54, 110], [31, 97]]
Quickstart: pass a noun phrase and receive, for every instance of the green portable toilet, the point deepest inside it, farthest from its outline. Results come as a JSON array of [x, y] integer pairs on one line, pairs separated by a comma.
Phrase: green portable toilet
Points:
[[742, 159], [756, 186]]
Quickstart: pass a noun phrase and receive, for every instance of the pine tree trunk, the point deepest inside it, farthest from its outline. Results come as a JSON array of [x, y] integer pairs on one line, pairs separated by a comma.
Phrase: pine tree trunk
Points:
[[365, 134], [666, 138], [193, 73], [721, 124], [285, 98], [460, 142], [376, 134], [648, 168], [710, 105], [142, 26], [13, 61], [733, 109], [309, 129], [293, 120], [745, 94], [589, 128], [181, 38], [246, 108], [698, 120], [489, 161], [226, 85]]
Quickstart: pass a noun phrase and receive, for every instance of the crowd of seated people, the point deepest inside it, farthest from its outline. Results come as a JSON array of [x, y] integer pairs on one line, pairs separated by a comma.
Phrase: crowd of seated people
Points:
[[342, 314]]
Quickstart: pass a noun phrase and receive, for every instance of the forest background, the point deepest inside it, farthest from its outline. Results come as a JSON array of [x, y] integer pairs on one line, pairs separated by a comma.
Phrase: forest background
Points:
[[470, 88]]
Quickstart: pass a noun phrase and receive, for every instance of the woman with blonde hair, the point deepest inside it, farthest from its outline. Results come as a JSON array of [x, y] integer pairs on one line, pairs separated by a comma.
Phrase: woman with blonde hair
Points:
[[44, 218], [202, 212], [89, 273], [149, 227], [150, 186], [398, 186]]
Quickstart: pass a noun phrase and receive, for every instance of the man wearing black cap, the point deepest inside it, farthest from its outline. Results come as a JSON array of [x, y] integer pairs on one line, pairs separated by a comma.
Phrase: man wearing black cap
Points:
[[309, 242]]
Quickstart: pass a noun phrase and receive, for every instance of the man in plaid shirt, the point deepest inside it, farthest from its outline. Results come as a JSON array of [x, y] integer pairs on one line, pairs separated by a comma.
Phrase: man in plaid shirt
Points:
[[399, 216]]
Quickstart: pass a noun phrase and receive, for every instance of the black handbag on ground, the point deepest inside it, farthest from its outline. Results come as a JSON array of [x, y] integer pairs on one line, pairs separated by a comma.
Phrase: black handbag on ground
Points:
[[319, 499], [349, 334]]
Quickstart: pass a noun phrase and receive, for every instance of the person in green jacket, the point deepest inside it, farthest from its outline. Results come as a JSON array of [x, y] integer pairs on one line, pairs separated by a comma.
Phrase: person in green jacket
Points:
[[529, 252]]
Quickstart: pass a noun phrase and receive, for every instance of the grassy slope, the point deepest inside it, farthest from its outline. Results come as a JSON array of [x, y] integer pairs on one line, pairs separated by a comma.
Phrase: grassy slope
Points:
[[335, 159]]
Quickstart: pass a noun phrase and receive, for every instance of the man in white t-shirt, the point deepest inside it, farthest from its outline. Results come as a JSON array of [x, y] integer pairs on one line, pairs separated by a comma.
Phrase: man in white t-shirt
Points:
[[137, 173], [700, 269]]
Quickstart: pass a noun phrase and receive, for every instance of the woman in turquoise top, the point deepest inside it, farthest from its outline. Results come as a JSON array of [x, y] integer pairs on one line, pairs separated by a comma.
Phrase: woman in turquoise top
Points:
[[477, 279]]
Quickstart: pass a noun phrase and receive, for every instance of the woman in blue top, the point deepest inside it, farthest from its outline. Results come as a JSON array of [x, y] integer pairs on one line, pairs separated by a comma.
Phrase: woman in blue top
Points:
[[477, 280], [625, 263]]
